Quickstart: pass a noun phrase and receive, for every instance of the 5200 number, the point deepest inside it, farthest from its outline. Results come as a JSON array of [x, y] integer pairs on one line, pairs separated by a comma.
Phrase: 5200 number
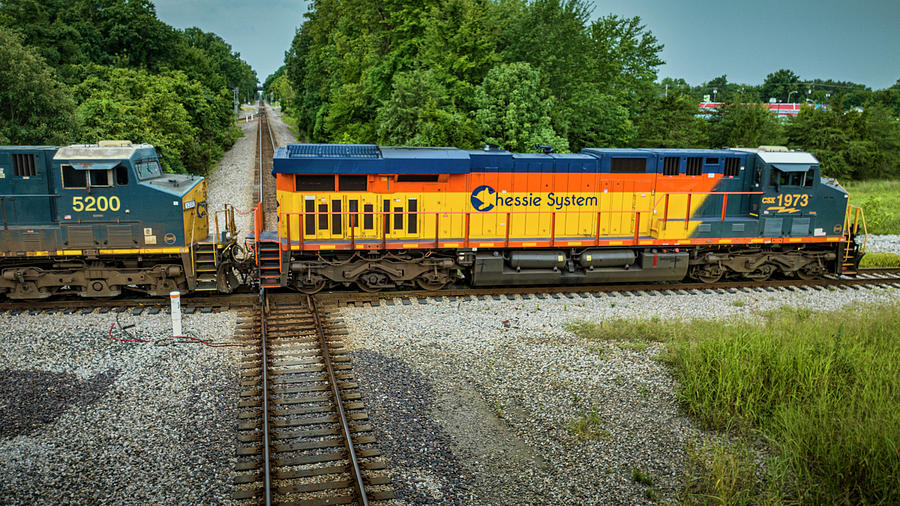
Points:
[[101, 204]]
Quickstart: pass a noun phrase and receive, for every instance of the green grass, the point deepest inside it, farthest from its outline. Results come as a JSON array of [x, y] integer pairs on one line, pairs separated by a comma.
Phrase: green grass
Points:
[[820, 387], [880, 260], [588, 425], [718, 473], [880, 201], [641, 477]]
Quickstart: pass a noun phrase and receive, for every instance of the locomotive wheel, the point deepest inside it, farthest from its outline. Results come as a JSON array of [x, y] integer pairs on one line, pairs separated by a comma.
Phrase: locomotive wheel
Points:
[[810, 271], [709, 274], [312, 288], [373, 282], [430, 285], [763, 273]]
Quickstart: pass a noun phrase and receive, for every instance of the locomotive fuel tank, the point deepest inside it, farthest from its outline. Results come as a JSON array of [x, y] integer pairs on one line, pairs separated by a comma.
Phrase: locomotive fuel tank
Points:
[[606, 258]]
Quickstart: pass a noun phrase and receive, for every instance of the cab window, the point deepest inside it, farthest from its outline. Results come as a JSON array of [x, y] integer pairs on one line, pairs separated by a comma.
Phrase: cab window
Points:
[[73, 178], [147, 169]]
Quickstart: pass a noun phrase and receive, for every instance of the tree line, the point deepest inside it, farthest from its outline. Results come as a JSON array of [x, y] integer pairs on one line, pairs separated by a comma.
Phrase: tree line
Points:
[[86, 70], [523, 73]]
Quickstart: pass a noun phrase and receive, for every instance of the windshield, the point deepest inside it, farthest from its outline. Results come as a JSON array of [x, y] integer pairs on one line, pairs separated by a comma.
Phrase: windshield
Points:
[[148, 169]]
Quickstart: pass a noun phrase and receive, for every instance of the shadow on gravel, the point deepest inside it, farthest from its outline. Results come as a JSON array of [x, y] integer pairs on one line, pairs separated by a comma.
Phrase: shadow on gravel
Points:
[[29, 399], [399, 401]]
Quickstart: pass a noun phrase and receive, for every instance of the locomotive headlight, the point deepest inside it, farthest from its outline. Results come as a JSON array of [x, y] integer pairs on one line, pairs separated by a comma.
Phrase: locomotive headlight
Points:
[[190, 204]]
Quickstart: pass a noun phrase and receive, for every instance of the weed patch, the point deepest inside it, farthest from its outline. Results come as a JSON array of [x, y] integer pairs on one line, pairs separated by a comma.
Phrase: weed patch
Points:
[[880, 260], [820, 387], [588, 425]]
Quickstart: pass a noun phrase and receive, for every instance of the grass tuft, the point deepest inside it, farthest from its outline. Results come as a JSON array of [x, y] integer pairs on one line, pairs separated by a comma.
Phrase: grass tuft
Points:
[[653, 329], [588, 425], [717, 473], [641, 477]]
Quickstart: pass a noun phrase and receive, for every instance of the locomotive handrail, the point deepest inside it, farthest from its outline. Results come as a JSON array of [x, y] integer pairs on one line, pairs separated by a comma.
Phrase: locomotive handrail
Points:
[[285, 219]]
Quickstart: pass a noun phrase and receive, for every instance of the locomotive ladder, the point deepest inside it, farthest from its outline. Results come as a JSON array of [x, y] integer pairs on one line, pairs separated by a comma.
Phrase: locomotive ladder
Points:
[[852, 221]]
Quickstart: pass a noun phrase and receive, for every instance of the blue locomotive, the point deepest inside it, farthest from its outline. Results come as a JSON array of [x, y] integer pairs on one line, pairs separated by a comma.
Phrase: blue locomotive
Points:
[[94, 220]]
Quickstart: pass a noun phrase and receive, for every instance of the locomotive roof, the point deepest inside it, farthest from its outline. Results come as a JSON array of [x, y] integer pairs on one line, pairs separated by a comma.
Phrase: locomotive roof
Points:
[[373, 159], [97, 152]]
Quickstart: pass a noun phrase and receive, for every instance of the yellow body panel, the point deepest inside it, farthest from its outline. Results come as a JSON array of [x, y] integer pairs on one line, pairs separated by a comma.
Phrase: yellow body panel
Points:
[[444, 215], [196, 227]]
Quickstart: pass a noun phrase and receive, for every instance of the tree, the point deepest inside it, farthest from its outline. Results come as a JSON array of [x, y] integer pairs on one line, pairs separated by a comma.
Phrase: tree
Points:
[[744, 125], [35, 108], [513, 110], [420, 113], [671, 122], [780, 84]]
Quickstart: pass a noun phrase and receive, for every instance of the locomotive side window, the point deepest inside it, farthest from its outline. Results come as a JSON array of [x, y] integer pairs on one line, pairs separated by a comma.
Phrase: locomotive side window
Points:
[[73, 178], [99, 178], [23, 165], [314, 182], [732, 167], [670, 165], [336, 217], [368, 218], [323, 216], [309, 225], [121, 175], [352, 183], [810, 178], [412, 207], [398, 218], [628, 165], [353, 208], [694, 166]]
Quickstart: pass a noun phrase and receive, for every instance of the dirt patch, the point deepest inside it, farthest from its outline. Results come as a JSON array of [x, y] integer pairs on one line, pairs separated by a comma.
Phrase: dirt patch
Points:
[[30, 399]]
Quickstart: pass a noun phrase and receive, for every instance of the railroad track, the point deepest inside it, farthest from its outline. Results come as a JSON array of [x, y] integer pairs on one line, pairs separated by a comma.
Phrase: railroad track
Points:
[[880, 277], [303, 434], [869, 278]]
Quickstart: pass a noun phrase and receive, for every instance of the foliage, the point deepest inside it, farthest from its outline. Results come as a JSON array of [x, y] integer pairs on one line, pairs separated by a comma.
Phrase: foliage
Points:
[[880, 200], [35, 108], [781, 85], [184, 107], [744, 125], [420, 113], [844, 141], [187, 125], [418, 72], [513, 110], [671, 122]]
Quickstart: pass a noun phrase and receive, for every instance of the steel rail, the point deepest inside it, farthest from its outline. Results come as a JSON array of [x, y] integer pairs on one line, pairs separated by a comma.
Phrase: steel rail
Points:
[[336, 391], [259, 144], [267, 472]]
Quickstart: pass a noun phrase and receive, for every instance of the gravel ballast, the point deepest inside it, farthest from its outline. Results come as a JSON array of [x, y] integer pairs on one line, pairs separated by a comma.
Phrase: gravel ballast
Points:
[[232, 181], [91, 420], [473, 402], [883, 244], [281, 133]]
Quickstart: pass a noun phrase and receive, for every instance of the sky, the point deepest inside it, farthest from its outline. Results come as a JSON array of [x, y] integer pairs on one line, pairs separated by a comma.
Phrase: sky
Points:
[[843, 40]]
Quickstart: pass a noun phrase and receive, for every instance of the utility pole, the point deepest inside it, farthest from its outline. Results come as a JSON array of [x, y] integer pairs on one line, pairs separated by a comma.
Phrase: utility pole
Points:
[[236, 103]]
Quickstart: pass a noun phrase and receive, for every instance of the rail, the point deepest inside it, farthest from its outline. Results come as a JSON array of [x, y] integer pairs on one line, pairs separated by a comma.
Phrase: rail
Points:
[[267, 471], [358, 484]]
